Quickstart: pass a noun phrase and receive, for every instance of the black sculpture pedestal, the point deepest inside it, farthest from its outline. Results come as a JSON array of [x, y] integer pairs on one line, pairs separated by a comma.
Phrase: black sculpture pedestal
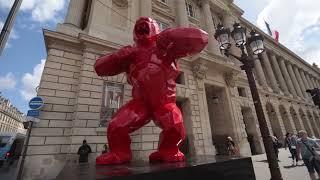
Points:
[[204, 167]]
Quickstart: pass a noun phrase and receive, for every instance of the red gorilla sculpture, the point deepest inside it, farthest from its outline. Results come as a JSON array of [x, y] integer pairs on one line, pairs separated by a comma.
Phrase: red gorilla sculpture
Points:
[[151, 68]]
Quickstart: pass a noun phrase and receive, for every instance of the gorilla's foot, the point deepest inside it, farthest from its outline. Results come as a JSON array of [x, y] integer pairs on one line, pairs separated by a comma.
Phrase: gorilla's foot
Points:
[[165, 156], [112, 158]]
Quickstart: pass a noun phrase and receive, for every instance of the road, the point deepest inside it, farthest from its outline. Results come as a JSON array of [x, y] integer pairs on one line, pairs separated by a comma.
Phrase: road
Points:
[[8, 172], [288, 171]]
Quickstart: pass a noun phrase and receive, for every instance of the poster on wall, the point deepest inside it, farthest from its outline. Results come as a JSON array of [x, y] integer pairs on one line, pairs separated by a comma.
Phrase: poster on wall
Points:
[[113, 98]]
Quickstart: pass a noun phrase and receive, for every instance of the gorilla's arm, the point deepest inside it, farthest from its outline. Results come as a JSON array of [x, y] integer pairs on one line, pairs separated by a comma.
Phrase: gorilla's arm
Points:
[[115, 63], [181, 42]]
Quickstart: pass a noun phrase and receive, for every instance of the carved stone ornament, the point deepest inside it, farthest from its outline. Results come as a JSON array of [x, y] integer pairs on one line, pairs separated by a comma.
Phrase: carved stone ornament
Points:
[[199, 70], [231, 78]]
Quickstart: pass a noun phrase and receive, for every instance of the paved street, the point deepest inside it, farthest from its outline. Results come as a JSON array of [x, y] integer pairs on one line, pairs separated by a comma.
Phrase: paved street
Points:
[[8, 172], [288, 172]]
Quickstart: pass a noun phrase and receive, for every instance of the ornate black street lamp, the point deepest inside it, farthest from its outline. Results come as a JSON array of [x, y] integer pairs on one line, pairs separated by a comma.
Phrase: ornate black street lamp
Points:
[[255, 42]]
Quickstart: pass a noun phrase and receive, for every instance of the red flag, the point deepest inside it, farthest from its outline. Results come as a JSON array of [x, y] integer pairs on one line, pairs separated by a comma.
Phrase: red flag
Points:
[[276, 36]]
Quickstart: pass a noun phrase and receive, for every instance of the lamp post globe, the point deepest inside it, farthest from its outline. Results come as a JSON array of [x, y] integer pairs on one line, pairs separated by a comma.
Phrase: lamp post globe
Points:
[[239, 35], [256, 42], [222, 35]]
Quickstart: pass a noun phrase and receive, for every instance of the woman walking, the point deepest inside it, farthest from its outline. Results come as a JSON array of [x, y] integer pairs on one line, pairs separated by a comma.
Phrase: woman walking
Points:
[[291, 143]]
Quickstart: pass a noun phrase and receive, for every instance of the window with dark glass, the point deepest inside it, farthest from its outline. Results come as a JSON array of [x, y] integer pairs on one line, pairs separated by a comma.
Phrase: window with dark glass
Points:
[[190, 10], [242, 92], [112, 101]]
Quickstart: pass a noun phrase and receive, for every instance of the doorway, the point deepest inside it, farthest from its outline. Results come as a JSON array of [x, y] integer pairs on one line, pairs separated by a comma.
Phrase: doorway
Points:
[[187, 146], [219, 116]]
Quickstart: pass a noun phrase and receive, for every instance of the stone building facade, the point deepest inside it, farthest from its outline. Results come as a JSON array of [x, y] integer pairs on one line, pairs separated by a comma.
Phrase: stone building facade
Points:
[[11, 119], [212, 91]]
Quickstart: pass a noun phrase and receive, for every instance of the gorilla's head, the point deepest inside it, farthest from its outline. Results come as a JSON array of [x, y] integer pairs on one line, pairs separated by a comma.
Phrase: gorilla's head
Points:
[[145, 30]]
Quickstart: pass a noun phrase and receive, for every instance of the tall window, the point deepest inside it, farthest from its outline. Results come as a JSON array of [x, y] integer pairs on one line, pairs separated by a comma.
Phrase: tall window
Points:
[[190, 10], [113, 99], [162, 25]]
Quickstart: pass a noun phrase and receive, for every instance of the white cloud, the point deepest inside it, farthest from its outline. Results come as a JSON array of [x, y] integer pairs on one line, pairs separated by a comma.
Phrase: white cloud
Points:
[[31, 80], [41, 10], [7, 82], [296, 20], [47, 10]]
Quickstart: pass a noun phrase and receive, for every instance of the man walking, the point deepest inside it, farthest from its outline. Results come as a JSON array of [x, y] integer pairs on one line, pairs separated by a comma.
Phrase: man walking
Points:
[[306, 147], [84, 151]]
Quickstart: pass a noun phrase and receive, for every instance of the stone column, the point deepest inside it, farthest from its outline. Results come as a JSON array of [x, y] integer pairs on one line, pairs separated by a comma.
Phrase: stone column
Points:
[[276, 67], [145, 8], [307, 86], [313, 82], [294, 80], [317, 82], [309, 81], [181, 13], [304, 79], [213, 46], [260, 74], [75, 12], [302, 87], [269, 72], [287, 77]]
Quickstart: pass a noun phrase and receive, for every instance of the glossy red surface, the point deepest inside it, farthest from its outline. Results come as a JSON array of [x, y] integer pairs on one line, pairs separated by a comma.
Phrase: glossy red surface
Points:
[[151, 68]]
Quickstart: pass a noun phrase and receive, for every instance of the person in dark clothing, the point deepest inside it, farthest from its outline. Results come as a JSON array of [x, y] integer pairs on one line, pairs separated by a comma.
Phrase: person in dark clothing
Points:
[[105, 149], [84, 151], [291, 143], [276, 145]]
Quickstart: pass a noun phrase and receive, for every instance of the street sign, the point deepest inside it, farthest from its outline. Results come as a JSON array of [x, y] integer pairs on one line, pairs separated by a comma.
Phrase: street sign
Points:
[[33, 113], [36, 103]]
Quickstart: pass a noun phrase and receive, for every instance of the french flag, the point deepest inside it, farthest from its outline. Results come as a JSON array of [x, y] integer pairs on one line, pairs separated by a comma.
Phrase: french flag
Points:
[[274, 34]]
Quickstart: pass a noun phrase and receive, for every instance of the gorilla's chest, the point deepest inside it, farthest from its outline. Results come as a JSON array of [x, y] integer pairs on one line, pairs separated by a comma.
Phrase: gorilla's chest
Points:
[[147, 55]]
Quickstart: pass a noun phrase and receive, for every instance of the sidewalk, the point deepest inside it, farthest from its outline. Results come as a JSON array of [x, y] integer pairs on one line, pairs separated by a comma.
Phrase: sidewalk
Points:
[[288, 172]]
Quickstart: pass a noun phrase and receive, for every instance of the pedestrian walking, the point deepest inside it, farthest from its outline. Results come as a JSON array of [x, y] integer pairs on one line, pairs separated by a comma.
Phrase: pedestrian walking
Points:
[[276, 145], [291, 143], [84, 151], [306, 147], [232, 148]]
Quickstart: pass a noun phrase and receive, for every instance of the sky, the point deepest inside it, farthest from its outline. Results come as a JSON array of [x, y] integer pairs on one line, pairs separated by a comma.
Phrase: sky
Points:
[[23, 58], [21, 64]]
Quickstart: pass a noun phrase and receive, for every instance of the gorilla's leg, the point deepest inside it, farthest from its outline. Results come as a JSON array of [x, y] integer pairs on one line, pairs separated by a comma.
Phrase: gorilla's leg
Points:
[[129, 118], [169, 118]]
